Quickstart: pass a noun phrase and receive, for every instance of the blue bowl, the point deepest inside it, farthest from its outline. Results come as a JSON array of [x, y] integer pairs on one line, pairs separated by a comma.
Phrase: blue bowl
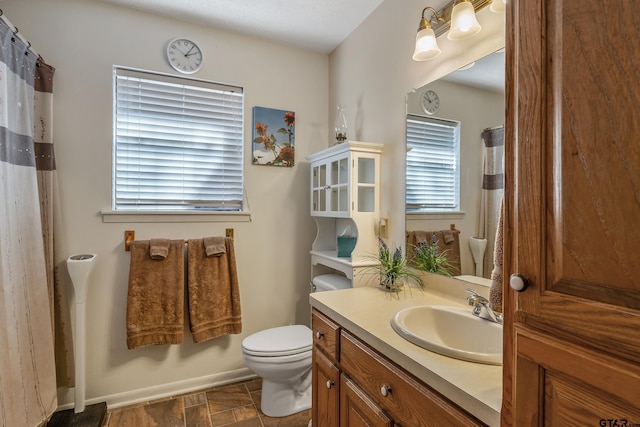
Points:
[[345, 246]]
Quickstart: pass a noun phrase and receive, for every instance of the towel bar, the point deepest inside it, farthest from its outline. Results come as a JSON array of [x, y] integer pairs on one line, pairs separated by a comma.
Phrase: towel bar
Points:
[[130, 236]]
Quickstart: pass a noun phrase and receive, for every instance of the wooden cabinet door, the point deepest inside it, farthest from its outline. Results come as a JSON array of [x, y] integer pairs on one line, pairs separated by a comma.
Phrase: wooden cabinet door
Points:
[[325, 391], [357, 410], [572, 224]]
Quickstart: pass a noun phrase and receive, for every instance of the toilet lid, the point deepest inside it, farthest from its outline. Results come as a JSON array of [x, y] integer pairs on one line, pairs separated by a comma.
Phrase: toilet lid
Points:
[[281, 341]]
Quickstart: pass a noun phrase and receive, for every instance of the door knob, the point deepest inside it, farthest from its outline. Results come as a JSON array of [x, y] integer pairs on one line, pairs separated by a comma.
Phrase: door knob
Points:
[[319, 335], [330, 383], [385, 390], [518, 282]]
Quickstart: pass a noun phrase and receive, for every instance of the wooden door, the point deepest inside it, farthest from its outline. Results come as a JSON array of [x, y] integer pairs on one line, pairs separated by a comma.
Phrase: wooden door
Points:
[[325, 391], [572, 223]]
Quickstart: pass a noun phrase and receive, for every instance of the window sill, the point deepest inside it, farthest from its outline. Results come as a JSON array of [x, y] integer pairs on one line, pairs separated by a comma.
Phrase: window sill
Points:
[[435, 215], [174, 216]]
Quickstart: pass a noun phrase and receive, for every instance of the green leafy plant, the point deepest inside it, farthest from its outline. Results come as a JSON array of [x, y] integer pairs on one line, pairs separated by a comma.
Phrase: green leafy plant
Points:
[[427, 258], [394, 270]]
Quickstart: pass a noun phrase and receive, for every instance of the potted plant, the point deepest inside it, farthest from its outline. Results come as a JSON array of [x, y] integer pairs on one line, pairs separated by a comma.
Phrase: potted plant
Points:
[[427, 258], [394, 270]]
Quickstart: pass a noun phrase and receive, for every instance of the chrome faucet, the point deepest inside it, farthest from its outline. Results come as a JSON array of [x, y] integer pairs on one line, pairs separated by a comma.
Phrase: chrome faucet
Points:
[[481, 307]]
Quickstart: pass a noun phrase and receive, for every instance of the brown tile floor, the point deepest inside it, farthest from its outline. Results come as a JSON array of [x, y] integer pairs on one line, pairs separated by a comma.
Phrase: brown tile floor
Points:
[[234, 405]]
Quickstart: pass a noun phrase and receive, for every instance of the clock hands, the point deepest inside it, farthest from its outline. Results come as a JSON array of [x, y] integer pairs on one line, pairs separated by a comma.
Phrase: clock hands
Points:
[[189, 51]]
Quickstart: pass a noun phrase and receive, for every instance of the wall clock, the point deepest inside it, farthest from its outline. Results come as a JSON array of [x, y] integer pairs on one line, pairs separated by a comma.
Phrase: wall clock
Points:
[[430, 102], [184, 56]]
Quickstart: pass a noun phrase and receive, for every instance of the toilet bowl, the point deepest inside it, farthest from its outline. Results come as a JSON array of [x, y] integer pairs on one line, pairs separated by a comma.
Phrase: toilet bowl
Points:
[[281, 356]]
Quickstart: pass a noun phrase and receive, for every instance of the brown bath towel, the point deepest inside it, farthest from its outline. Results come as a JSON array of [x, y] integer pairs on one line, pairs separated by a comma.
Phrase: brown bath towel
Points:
[[155, 302], [214, 298]]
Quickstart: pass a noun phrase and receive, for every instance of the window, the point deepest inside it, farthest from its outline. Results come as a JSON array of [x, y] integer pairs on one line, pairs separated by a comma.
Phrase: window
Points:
[[433, 158], [178, 143]]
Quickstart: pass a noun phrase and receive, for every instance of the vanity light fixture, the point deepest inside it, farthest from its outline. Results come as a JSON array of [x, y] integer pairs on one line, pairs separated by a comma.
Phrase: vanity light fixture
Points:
[[463, 21], [498, 6], [426, 43], [458, 17]]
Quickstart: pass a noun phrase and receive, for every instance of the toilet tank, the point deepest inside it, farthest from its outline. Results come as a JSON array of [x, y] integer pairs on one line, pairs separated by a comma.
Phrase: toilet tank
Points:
[[329, 282]]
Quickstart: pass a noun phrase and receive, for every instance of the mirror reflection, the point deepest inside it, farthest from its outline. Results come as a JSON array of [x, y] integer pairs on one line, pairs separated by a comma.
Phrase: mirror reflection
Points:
[[454, 166]]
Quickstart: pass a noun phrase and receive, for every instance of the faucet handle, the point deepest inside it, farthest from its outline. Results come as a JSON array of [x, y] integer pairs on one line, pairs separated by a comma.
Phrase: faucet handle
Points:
[[472, 292], [475, 298]]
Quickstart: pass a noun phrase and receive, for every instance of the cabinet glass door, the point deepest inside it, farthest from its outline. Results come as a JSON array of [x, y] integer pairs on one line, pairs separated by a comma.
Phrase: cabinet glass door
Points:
[[319, 197], [340, 185], [366, 184]]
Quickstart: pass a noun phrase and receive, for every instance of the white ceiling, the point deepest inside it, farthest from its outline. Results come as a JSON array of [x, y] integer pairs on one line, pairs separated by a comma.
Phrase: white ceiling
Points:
[[317, 25]]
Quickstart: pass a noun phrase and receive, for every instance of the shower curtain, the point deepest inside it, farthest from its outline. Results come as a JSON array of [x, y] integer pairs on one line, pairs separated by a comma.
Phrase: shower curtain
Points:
[[27, 368], [492, 191]]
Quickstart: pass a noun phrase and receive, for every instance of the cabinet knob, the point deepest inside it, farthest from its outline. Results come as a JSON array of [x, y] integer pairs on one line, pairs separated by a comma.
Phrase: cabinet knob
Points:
[[385, 390], [319, 335], [330, 383], [518, 282]]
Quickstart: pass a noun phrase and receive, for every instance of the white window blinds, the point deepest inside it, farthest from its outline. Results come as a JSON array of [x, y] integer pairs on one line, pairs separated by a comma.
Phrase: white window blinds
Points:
[[433, 172], [177, 143]]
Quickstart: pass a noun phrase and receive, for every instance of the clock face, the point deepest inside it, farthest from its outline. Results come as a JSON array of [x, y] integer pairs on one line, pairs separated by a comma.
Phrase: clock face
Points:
[[184, 56], [430, 102]]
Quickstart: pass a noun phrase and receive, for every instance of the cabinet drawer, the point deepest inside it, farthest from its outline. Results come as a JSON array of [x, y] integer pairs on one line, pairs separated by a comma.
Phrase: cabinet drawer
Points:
[[407, 401], [326, 335]]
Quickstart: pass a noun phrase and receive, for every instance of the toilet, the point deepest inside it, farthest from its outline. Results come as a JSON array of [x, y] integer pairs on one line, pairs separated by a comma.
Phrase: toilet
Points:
[[282, 358]]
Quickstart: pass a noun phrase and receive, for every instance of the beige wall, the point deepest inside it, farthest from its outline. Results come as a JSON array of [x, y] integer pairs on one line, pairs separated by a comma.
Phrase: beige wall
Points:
[[83, 39]]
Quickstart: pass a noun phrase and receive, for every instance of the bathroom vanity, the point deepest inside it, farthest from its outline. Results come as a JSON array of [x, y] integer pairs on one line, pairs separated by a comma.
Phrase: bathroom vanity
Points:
[[363, 370]]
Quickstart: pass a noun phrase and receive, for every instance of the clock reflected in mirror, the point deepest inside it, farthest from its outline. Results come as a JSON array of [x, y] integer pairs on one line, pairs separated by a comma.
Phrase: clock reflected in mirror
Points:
[[430, 102], [184, 56]]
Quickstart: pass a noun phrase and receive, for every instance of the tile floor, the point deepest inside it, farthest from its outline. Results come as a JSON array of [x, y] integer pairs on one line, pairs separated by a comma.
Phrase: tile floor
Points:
[[234, 405]]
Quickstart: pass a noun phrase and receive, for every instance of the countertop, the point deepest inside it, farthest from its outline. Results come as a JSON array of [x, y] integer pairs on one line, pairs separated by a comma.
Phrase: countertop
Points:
[[367, 311]]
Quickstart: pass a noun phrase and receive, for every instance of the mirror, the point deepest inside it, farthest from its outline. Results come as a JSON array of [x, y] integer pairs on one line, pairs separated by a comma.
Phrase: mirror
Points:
[[472, 97]]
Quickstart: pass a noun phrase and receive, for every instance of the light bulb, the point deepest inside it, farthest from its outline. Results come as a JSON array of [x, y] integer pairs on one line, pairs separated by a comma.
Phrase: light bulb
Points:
[[426, 45], [463, 22]]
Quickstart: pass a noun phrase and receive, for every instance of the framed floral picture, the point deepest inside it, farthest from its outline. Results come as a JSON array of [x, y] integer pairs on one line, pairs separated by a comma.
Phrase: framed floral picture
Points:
[[274, 134]]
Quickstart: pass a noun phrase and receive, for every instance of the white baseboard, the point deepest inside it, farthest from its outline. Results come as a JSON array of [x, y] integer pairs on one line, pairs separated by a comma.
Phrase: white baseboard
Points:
[[126, 398]]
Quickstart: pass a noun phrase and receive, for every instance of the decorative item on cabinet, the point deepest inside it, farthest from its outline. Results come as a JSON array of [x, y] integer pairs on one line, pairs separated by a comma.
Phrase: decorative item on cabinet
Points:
[[341, 125], [393, 271]]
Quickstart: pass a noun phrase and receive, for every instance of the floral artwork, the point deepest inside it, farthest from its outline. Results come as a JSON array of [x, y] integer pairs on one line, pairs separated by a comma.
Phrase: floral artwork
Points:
[[273, 137]]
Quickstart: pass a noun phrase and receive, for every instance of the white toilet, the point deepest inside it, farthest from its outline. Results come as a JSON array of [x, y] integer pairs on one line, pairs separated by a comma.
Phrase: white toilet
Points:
[[282, 358]]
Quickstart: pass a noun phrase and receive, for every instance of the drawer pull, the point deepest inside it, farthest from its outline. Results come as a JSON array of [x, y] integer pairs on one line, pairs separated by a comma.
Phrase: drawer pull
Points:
[[319, 335], [330, 384], [385, 390]]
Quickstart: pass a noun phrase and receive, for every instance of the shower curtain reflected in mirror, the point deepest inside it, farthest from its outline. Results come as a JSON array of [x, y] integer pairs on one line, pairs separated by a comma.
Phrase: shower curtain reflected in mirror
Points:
[[27, 368], [492, 190]]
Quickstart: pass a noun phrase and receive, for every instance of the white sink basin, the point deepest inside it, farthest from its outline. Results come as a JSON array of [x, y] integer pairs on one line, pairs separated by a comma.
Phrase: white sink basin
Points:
[[451, 331]]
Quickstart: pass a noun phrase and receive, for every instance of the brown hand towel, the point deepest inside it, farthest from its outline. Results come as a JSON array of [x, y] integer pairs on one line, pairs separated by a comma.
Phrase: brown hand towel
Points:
[[495, 292], [422, 236], [155, 301], [214, 246], [448, 236], [159, 248], [214, 297]]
